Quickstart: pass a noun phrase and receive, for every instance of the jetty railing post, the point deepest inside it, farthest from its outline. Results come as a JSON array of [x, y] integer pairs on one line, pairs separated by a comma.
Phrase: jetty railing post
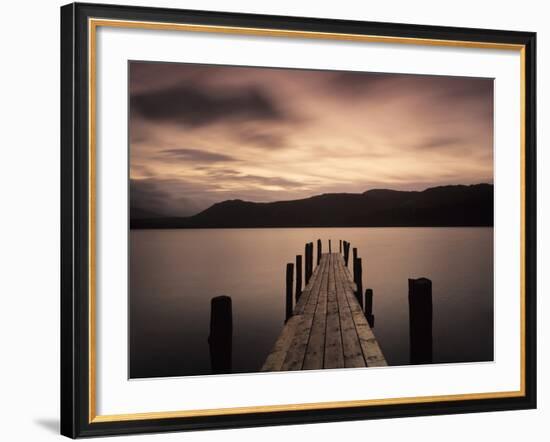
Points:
[[289, 281], [221, 334], [306, 263], [329, 246], [319, 251], [346, 252], [298, 276], [358, 279], [309, 261], [354, 264], [368, 307], [340, 248], [420, 321]]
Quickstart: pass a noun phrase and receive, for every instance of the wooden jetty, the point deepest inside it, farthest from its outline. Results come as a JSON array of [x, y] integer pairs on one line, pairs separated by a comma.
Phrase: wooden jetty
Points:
[[327, 328]]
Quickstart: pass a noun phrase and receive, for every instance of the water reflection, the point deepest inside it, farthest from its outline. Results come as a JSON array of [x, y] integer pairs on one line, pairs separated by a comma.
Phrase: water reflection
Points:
[[174, 274]]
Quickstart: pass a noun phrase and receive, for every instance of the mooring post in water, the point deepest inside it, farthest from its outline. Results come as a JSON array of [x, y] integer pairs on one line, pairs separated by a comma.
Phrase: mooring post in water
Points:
[[289, 280], [309, 261], [306, 263], [346, 252], [354, 264], [329, 246], [221, 334], [368, 307], [340, 249], [358, 279], [319, 251], [420, 321], [298, 276]]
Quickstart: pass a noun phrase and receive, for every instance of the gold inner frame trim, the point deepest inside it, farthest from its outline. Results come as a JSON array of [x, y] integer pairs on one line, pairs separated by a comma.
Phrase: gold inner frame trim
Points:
[[93, 24]]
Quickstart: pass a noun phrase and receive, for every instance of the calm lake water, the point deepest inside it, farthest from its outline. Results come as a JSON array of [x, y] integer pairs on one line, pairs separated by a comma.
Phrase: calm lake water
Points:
[[175, 273]]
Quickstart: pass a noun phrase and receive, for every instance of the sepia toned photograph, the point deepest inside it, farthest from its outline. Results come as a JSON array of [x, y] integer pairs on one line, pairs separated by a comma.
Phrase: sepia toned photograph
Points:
[[291, 219], [285, 220]]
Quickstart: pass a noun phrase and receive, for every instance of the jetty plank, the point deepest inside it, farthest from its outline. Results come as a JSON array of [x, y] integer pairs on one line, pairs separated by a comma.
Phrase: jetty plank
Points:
[[371, 350], [353, 355], [334, 352], [274, 361], [315, 351], [301, 304], [294, 359], [328, 328]]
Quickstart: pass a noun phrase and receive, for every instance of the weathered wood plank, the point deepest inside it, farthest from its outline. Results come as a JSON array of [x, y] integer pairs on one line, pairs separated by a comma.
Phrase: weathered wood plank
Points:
[[328, 328], [315, 351], [334, 352], [294, 359], [372, 353], [301, 304], [275, 359], [353, 355], [347, 277]]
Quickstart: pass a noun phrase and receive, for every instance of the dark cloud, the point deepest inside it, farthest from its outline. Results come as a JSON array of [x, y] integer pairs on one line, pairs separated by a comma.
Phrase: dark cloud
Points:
[[453, 88], [267, 139], [175, 197], [195, 155], [194, 105], [164, 197], [352, 83], [145, 195], [230, 175], [439, 143], [269, 181], [143, 170], [449, 88], [151, 76]]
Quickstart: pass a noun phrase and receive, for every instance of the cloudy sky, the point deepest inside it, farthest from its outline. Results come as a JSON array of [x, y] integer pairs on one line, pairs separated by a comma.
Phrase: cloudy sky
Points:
[[202, 134]]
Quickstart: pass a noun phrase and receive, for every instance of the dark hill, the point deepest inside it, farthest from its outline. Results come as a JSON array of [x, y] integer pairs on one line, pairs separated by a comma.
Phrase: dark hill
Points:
[[434, 207]]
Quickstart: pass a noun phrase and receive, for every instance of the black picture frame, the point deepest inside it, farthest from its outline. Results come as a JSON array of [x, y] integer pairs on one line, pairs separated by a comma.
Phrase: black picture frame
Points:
[[75, 220]]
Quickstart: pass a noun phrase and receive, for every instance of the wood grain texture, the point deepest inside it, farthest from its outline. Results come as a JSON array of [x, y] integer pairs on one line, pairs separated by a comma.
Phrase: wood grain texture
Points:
[[328, 328]]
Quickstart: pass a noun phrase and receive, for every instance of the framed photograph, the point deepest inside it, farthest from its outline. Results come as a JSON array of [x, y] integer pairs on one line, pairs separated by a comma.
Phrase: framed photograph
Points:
[[279, 220]]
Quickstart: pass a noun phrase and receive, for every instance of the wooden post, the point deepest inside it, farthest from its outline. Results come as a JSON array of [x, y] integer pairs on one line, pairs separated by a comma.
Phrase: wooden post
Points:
[[346, 252], [354, 264], [289, 281], [221, 334], [319, 251], [420, 321], [298, 276], [358, 279], [311, 266], [340, 249], [329, 246], [368, 307], [306, 263], [309, 261]]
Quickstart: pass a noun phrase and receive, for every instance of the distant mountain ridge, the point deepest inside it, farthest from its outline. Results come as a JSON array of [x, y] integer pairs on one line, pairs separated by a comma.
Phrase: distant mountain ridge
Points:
[[443, 206]]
